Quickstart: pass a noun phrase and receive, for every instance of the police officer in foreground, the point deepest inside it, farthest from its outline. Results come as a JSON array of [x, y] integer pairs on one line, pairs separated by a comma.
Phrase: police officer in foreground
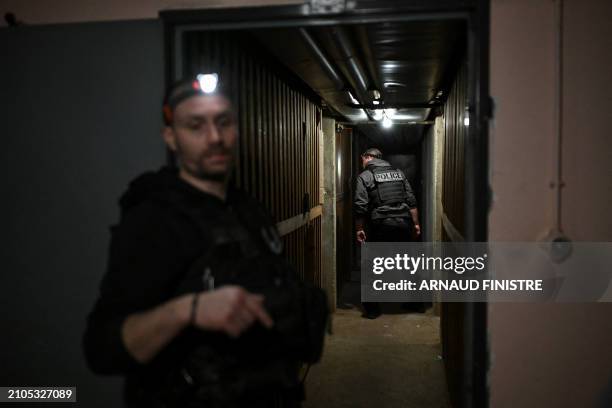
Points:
[[385, 203], [198, 307]]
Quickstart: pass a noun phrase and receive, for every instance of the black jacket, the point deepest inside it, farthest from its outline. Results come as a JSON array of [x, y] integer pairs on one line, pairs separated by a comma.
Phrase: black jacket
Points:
[[365, 189], [152, 247]]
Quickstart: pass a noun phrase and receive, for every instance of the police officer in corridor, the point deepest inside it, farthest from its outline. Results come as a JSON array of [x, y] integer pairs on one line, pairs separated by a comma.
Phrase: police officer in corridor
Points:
[[198, 307], [385, 203]]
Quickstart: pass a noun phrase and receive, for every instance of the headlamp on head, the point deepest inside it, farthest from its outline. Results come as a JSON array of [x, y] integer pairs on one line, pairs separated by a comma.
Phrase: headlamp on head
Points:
[[202, 84], [208, 82]]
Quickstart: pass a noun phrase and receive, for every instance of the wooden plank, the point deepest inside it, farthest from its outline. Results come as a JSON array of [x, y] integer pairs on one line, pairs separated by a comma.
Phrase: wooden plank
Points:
[[291, 224]]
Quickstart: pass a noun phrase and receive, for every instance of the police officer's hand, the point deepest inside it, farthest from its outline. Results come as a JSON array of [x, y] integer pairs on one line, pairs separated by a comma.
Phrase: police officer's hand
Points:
[[417, 230], [230, 309], [361, 236]]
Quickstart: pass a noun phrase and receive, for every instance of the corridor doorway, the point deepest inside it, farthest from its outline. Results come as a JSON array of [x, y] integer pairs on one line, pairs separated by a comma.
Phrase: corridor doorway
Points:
[[296, 67]]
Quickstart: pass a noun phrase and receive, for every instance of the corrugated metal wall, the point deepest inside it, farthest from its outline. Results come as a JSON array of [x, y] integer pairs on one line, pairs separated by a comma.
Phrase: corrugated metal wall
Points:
[[279, 129], [345, 239], [455, 132], [453, 197]]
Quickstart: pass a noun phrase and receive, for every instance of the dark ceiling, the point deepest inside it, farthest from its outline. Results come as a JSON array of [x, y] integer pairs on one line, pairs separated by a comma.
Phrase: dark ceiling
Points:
[[411, 65]]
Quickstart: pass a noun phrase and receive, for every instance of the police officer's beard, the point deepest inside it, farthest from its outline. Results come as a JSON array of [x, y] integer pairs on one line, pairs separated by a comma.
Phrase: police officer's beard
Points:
[[203, 173]]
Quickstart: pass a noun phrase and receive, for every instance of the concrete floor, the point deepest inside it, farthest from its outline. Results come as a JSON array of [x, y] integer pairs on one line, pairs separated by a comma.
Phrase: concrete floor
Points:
[[391, 362]]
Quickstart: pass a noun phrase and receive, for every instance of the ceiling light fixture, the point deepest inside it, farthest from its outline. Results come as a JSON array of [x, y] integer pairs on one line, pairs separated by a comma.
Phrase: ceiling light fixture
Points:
[[387, 123], [390, 113], [394, 84], [406, 116]]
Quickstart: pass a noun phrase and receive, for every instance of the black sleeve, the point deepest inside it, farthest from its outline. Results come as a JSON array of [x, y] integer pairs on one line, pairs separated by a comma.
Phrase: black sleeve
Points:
[[362, 199], [138, 274], [410, 199]]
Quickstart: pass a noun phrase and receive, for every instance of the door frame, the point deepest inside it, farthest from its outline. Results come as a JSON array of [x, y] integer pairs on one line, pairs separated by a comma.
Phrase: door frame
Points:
[[476, 13]]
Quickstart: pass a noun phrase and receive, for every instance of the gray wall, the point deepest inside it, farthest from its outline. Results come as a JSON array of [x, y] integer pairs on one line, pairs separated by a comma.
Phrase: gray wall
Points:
[[79, 117]]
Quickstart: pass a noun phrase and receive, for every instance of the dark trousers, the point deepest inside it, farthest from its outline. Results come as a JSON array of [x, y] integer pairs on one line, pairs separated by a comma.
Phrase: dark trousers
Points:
[[387, 230], [391, 230]]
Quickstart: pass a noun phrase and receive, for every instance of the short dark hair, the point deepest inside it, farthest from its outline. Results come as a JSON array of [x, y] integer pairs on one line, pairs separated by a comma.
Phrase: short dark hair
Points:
[[373, 152]]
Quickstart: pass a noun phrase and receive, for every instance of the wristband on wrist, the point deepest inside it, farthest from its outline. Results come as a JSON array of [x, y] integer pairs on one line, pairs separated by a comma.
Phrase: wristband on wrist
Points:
[[194, 307]]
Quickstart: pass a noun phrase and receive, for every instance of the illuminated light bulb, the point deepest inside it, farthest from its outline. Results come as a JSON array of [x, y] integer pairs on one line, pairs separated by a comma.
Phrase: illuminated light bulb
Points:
[[387, 123], [378, 114]]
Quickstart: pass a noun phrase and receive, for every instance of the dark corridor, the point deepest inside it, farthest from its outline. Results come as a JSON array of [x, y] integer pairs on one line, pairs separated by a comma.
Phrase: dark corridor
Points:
[[312, 98]]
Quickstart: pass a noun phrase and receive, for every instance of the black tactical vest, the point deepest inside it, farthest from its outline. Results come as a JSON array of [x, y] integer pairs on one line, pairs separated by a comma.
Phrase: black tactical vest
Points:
[[389, 188], [220, 372]]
